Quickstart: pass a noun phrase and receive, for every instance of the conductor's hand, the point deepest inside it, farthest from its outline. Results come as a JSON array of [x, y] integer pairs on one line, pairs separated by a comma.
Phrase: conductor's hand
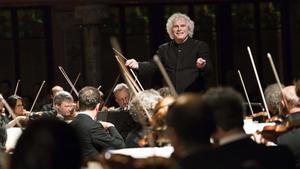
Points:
[[200, 63], [132, 63]]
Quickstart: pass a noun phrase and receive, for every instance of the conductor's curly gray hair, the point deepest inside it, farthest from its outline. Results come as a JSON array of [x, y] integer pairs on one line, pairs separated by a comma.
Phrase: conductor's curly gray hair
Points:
[[178, 16]]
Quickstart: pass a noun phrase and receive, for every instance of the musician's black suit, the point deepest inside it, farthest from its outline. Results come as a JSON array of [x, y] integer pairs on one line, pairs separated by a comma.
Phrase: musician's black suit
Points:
[[292, 137], [245, 153], [94, 138]]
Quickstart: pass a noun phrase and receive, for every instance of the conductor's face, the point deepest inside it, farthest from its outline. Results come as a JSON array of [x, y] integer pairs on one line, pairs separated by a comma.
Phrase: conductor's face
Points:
[[180, 30]]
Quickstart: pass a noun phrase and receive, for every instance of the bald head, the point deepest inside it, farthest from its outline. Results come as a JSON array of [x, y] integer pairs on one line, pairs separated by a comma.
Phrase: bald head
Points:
[[56, 89]]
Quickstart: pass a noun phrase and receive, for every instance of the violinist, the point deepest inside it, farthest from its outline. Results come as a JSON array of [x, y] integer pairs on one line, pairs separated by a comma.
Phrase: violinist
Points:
[[234, 147], [122, 96], [120, 116], [291, 138], [94, 136], [17, 104], [63, 108], [54, 90], [273, 99]]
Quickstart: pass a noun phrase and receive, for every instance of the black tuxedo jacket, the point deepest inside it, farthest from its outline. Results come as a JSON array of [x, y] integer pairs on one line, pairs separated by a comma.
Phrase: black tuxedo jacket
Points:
[[179, 61], [245, 153], [292, 140], [94, 138]]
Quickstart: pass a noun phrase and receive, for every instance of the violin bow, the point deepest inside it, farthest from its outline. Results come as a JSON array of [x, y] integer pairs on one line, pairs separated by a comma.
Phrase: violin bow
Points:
[[109, 94], [116, 48], [165, 75], [131, 86], [17, 86], [8, 108], [126, 74], [131, 83], [258, 81], [245, 91], [75, 82], [131, 71], [36, 97], [277, 78], [68, 80]]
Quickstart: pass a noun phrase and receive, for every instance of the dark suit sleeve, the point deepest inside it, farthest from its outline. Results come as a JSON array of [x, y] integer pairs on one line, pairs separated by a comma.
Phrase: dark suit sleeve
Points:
[[203, 51], [102, 138], [147, 68]]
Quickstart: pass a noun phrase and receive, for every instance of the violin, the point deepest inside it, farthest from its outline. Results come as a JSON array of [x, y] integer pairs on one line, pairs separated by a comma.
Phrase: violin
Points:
[[271, 133], [259, 117]]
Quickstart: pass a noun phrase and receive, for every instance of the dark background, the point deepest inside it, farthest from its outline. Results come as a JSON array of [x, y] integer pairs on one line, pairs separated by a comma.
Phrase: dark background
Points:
[[37, 36]]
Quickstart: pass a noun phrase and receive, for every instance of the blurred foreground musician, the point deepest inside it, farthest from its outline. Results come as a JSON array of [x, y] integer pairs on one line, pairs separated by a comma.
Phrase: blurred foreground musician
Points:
[[189, 128], [146, 99], [235, 148], [292, 137]]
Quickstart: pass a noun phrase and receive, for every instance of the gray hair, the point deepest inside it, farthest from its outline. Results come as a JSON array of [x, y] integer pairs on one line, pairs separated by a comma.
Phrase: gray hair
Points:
[[119, 87], [273, 97], [177, 16], [291, 97], [61, 97], [146, 99]]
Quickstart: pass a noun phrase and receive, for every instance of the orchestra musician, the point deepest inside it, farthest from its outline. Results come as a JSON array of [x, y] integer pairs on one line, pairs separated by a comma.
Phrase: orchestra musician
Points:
[[122, 96], [234, 147], [143, 101], [273, 98], [54, 90], [94, 136], [186, 60], [189, 129], [291, 138], [120, 116], [17, 104], [158, 122], [63, 108]]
